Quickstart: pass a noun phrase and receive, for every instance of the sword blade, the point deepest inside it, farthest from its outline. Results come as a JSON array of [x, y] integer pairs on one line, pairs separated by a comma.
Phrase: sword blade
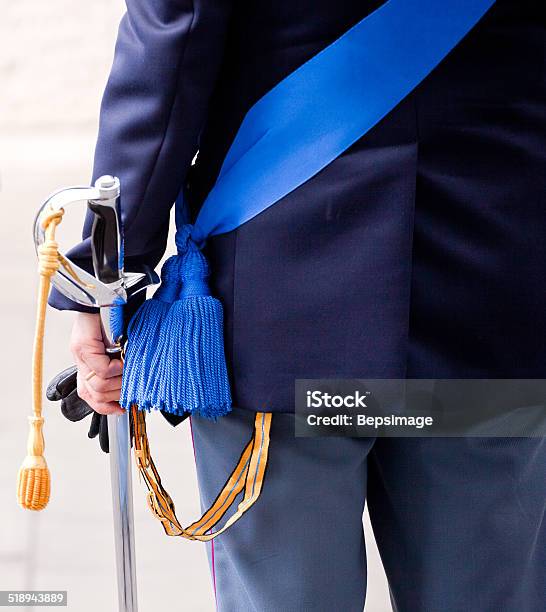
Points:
[[122, 504], [107, 248]]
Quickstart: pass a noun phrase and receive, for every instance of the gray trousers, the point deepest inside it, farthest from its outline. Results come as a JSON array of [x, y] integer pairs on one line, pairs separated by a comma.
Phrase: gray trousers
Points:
[[459, 522]]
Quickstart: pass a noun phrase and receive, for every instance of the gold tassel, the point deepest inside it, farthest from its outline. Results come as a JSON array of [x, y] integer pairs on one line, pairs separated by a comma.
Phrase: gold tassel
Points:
[[34, 480]]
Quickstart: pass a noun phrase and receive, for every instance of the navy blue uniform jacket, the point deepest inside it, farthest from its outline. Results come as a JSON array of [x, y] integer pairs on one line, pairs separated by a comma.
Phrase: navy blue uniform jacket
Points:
[[419, 252]]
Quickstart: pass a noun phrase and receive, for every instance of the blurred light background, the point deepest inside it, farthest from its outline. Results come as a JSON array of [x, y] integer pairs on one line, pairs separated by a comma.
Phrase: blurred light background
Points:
[[54, 61]]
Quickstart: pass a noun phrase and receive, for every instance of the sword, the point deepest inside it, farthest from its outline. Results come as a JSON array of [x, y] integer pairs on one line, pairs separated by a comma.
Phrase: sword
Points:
[[109, 289]]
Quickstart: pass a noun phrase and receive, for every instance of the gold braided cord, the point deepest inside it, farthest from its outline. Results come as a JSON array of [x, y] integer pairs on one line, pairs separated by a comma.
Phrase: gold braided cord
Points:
[[248, 474], [34, 481]]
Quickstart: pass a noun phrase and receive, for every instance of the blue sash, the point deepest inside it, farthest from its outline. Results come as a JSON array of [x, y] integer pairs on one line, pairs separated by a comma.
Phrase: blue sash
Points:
[[175, 355], [326, 105]]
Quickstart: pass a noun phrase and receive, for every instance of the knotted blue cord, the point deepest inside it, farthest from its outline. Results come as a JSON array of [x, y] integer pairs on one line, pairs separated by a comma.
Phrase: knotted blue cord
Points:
[[116, 320]]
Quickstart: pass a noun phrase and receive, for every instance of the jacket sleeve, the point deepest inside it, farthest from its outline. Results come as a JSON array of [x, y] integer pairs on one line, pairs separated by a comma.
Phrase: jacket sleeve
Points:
[[167, 57]]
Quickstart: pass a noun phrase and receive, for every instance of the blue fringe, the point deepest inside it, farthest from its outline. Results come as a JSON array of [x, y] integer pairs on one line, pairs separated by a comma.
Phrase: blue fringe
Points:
[[195, 376], [142, 337], [175, 352]]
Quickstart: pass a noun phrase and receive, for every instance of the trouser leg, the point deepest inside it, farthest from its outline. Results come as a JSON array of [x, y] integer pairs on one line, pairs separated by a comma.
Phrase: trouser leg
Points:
[[301, 547], [460, 523]]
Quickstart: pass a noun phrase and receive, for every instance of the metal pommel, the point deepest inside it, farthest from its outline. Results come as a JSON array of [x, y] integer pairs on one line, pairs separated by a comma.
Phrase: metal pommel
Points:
[[108, 187]]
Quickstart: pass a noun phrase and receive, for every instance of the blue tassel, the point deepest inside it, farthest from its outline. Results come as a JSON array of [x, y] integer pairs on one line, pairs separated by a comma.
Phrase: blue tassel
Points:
[[143, 334], [175, 351], [191, 353]]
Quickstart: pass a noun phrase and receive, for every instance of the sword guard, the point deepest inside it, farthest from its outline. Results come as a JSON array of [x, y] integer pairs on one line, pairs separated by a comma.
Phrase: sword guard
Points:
[[73, 281]]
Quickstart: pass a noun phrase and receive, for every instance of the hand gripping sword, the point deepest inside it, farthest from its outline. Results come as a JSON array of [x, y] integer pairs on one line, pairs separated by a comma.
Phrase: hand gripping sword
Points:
[[109, 289]]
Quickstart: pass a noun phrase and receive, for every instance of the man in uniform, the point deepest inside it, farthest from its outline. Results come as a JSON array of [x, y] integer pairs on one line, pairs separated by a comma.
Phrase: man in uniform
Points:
[[419, 252]]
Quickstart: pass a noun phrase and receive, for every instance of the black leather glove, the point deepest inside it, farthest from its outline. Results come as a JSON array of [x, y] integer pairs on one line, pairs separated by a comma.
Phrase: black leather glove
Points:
[[63, 388]]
